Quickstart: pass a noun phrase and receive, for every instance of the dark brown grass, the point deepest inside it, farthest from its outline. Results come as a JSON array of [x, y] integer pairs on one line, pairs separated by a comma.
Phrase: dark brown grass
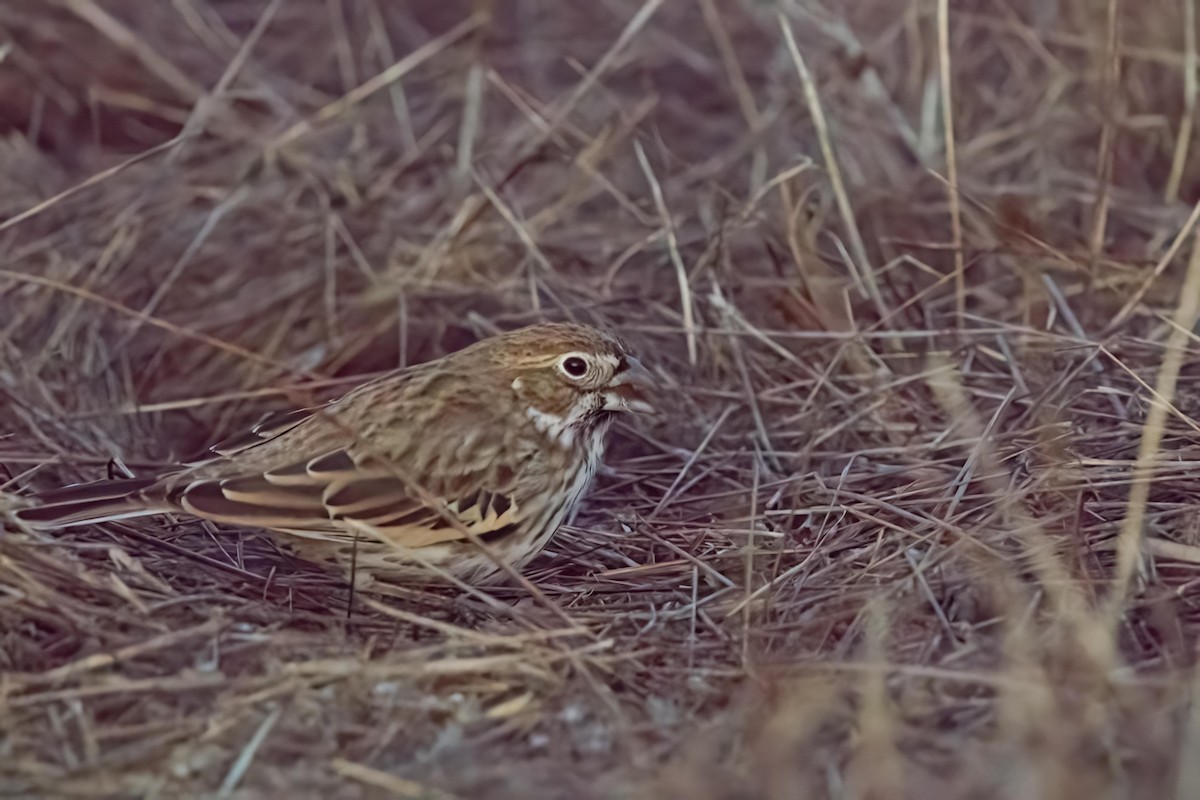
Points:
[[911, 526]]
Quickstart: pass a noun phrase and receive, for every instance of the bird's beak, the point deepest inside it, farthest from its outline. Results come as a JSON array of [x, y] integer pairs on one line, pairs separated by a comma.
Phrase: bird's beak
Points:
[[633, 388]]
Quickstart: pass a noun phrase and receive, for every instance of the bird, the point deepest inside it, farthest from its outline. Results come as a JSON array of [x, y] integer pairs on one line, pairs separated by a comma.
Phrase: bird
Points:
[[405, 474]]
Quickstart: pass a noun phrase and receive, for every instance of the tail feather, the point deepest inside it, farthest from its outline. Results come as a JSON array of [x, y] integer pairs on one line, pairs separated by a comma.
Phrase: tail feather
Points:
[[102, 501]]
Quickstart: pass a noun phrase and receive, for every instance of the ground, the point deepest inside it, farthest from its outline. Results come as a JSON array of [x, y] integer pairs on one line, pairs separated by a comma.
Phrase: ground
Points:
[[920, 279]]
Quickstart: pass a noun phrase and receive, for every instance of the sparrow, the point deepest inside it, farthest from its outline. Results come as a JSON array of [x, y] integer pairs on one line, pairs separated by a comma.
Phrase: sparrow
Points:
[[496, 442]]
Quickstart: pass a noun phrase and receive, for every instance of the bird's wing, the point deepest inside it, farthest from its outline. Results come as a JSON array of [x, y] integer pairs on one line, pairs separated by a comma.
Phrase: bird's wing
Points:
[[307, 473], [321, 497]]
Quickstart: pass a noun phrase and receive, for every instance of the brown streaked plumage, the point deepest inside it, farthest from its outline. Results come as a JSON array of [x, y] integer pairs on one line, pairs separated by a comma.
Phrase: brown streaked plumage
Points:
[[500, 439]]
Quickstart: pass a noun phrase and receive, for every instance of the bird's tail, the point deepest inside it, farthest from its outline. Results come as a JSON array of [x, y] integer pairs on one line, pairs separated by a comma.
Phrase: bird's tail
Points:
[[102, 501]]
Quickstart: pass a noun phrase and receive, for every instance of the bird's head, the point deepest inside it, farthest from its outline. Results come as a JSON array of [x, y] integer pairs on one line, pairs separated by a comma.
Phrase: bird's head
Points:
[[570, 376]]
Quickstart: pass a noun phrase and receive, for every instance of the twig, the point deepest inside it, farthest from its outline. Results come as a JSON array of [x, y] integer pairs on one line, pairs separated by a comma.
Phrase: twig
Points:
[[858, 249], [956, 237], [246, 757], [685, 289], [1183, 137], [1130, 538], [377, 82]]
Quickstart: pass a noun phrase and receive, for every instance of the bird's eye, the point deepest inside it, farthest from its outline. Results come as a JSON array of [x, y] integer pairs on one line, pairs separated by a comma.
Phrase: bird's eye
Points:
[[574, 366]]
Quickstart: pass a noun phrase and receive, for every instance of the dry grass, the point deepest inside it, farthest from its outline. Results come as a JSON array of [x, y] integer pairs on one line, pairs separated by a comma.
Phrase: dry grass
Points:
[[920, 521]]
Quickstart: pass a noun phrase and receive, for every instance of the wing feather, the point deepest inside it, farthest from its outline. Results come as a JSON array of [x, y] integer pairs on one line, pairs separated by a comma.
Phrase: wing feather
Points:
[[371, 494], [339, 462], [207, 499], [257, 490], [332, 495]]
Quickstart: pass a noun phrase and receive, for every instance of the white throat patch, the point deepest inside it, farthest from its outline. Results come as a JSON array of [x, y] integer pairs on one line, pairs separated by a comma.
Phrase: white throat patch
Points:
[[563, 430]]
